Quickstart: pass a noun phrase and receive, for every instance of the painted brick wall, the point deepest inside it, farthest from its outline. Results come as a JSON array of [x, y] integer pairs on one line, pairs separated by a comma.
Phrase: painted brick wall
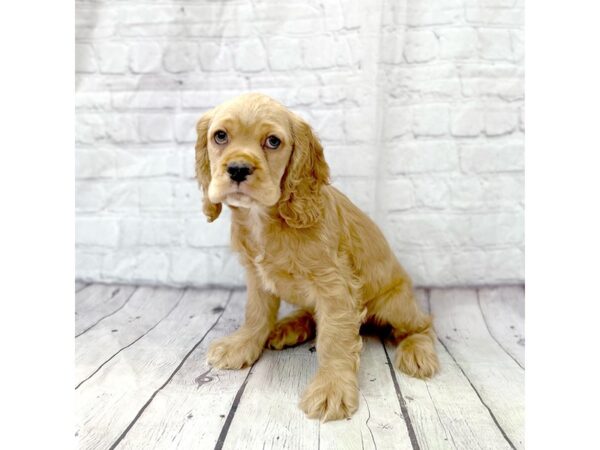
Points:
[[419, 104]]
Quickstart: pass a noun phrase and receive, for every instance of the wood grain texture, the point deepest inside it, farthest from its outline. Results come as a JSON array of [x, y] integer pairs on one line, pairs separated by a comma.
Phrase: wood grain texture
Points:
[[190, 411], [445, 411], [146, 308], [503, 310], [496, 377], [94, 303], [151, 387], [110, 402]]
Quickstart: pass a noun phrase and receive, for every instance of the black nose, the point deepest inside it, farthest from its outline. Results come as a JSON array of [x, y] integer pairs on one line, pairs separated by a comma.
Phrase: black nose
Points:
[[238, 172]]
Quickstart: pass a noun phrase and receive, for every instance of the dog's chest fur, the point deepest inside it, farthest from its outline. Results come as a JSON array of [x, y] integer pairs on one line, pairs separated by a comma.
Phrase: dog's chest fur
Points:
[[269, 254]]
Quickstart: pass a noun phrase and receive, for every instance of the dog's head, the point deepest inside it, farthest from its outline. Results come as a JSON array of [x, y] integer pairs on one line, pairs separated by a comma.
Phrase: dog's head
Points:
[[252, 151]]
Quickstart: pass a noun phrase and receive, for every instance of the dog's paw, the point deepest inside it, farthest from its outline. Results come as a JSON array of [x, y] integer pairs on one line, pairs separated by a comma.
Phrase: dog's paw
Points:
[[416, 356], [328, 398], [233, 352]]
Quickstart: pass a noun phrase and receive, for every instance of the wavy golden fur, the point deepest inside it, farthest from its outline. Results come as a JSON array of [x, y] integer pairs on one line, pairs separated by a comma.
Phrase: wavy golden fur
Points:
[[302, 240]]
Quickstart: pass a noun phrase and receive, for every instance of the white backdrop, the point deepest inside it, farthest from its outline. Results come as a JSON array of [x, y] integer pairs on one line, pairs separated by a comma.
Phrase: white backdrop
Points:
[[419, 105]]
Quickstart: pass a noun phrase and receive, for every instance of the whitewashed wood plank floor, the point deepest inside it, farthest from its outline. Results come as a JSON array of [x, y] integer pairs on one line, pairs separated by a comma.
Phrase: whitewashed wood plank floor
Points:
[[142, 381]]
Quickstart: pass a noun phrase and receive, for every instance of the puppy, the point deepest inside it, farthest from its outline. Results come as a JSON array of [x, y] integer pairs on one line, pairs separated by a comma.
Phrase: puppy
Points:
[[303, 241]]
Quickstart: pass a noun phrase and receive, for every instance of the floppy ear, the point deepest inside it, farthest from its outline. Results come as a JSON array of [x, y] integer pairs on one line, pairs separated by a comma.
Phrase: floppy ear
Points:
[[301, 204], [211, 210]]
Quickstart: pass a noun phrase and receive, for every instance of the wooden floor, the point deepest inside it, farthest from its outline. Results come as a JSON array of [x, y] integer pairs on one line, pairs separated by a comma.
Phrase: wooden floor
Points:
[[142, 381]]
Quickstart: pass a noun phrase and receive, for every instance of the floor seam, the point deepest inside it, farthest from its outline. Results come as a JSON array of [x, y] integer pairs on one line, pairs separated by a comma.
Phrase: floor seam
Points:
[[134, 341], [108, 315], [141, 411], [490, 331]]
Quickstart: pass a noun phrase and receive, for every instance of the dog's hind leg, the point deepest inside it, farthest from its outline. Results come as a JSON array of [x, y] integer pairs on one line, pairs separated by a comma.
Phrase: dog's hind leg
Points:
[[412, 330], [292, 330]]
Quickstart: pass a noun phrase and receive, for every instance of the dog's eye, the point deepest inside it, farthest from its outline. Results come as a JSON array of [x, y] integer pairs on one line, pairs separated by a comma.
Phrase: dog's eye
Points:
[[272, 142], [220, 137]]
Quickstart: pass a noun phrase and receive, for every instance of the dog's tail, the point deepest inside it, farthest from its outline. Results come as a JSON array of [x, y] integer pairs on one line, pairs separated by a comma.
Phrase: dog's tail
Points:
[[294, 329]]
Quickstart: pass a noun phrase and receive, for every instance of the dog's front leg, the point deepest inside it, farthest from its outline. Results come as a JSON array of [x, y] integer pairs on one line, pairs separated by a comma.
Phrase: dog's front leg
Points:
[[333, 393], [244, 346]]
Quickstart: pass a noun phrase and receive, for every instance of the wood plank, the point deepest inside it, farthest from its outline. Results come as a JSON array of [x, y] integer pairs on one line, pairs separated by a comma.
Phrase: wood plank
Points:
[[445, 411], [110, 401], [97, 302], [142, 312], [503, 310], [191, 410], [268, 413], [497, 378], [379, 422], [269, 417]]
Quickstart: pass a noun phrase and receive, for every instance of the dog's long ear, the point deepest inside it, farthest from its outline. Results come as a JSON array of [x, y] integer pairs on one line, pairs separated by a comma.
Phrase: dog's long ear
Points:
[[211, 210], [301, 204]]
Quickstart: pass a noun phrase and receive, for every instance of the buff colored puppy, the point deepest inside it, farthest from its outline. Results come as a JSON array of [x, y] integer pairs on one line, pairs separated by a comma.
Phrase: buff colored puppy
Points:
[[302, 240]]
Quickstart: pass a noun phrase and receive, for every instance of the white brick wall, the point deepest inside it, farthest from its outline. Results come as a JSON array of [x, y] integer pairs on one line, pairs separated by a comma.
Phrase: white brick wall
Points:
[[419, 104]]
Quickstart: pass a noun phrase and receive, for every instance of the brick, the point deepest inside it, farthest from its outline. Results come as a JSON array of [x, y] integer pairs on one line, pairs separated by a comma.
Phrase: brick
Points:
[[96, 231], [451, 230], [466, 120], [147, 163], [187, 196], [200, 233], [499, 121], [361, 191], [122, 128], [351, 160], [430, 120], [156, 195], [180, 57], [284, 53], [417, 157], [185, 127], [144, 231], [96, 163], [214, 57], [397, 121], [421, 46], [393, 50], [359, 125], [484, 157], [509, 89], [113, 58], [151, 266], [328, 124], [145, 100], [89, 128], [88, 264], [518, 45], [495, 44], [494, 16], [85, 61], [145, 57], [318, 52], [137, 266], [474, 267], [498, 192], [123, 197], [92, 101], [250, 56], [89, 196], [431, 191], [431, 12], [397, 195], [155, 128], [458, 43]]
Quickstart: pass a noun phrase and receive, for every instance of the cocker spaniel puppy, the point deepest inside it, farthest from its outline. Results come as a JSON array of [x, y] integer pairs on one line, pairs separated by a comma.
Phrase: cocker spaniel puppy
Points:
[[303, 241]]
